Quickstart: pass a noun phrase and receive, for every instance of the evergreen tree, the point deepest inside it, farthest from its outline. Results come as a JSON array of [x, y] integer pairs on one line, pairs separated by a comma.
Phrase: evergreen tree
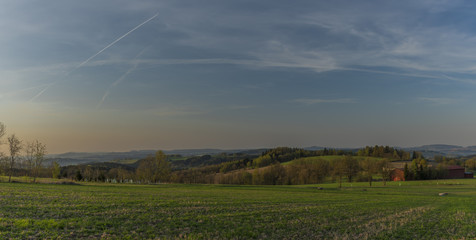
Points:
[[406, 172]]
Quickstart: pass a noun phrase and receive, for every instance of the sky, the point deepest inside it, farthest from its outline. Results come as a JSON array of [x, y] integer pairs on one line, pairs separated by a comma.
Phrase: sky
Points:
[[125, 75]]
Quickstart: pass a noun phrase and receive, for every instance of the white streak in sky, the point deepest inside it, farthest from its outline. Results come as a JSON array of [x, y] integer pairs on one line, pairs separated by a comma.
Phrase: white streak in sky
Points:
[[438, 101], [121, 78], [12, 93], [93, 56], [42, 91], [115, 41], [310, 101], [271, 64]]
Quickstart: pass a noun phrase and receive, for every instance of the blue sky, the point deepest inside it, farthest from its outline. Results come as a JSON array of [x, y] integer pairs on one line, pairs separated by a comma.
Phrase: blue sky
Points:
[[114, 76]]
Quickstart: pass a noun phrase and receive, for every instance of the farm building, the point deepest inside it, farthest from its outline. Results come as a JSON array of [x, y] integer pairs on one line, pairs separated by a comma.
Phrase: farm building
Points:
[[455, 172], [468, 175]]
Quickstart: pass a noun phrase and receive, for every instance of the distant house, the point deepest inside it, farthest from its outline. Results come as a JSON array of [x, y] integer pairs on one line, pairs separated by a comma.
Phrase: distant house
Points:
[[468, 175], [455, 172], [397, 174]]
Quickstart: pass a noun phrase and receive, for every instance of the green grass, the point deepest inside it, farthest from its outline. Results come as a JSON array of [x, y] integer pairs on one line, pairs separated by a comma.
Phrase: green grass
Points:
[[403, 210]]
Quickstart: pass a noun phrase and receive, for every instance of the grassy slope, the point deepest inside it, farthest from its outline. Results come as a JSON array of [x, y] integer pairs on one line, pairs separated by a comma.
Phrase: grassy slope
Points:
[[411, 210], [328, 158], [125, 161]]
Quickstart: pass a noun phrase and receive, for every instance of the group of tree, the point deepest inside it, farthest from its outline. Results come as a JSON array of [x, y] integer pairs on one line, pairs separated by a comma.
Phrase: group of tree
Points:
[[470, 163], [448, 160], [98, 172], [385, 152], [21, 158], [152, 169], [367, 164], [264, 169], [28, 159], [301, 171], [419, 169], [207, 159], [286, 154]]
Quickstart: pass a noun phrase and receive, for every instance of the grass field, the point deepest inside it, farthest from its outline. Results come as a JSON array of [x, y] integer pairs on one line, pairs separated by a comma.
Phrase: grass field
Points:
[[406, 210]]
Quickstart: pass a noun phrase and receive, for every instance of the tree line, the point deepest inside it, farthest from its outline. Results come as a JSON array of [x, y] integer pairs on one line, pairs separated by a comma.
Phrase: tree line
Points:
[[366, 164], [280, 165], [152, 169], [28, 159], [386, 152], [22, 158]]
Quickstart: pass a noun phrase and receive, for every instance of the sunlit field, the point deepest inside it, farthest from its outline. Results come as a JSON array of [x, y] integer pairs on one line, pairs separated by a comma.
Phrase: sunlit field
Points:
[[403, 210]]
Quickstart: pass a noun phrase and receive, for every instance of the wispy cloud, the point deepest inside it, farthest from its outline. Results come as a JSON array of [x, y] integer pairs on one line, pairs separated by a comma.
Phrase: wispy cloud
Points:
[[270, 63], [241, 107], [311, 101], [359, 42], [439, 101], [175, 112]]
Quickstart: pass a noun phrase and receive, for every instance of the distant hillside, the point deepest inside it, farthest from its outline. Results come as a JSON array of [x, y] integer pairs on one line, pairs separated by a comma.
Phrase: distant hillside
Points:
[[429, 151], [74, 158], [314, 148]]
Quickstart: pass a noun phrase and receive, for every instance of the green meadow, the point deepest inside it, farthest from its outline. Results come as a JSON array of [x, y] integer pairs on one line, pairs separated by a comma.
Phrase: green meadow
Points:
[[400, 210]]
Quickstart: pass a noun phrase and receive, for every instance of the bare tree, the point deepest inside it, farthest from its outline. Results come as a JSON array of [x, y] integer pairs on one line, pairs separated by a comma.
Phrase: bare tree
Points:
[[3, 130], [339, 169], [29, 157], [39, 152], [369, 167], [351, 167], [3, 161], [15, 146], [385, 170]]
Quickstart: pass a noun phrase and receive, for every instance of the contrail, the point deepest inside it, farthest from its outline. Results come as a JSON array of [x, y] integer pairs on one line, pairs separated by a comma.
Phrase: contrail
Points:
[[42, 91], [121, 78], [117, 40], [12, 93], [106, 94], [93, 56]]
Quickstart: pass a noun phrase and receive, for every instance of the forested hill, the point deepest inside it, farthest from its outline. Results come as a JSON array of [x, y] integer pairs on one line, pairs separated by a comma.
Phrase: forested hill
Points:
[[207, 165], [428, 151], [75, 158]]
